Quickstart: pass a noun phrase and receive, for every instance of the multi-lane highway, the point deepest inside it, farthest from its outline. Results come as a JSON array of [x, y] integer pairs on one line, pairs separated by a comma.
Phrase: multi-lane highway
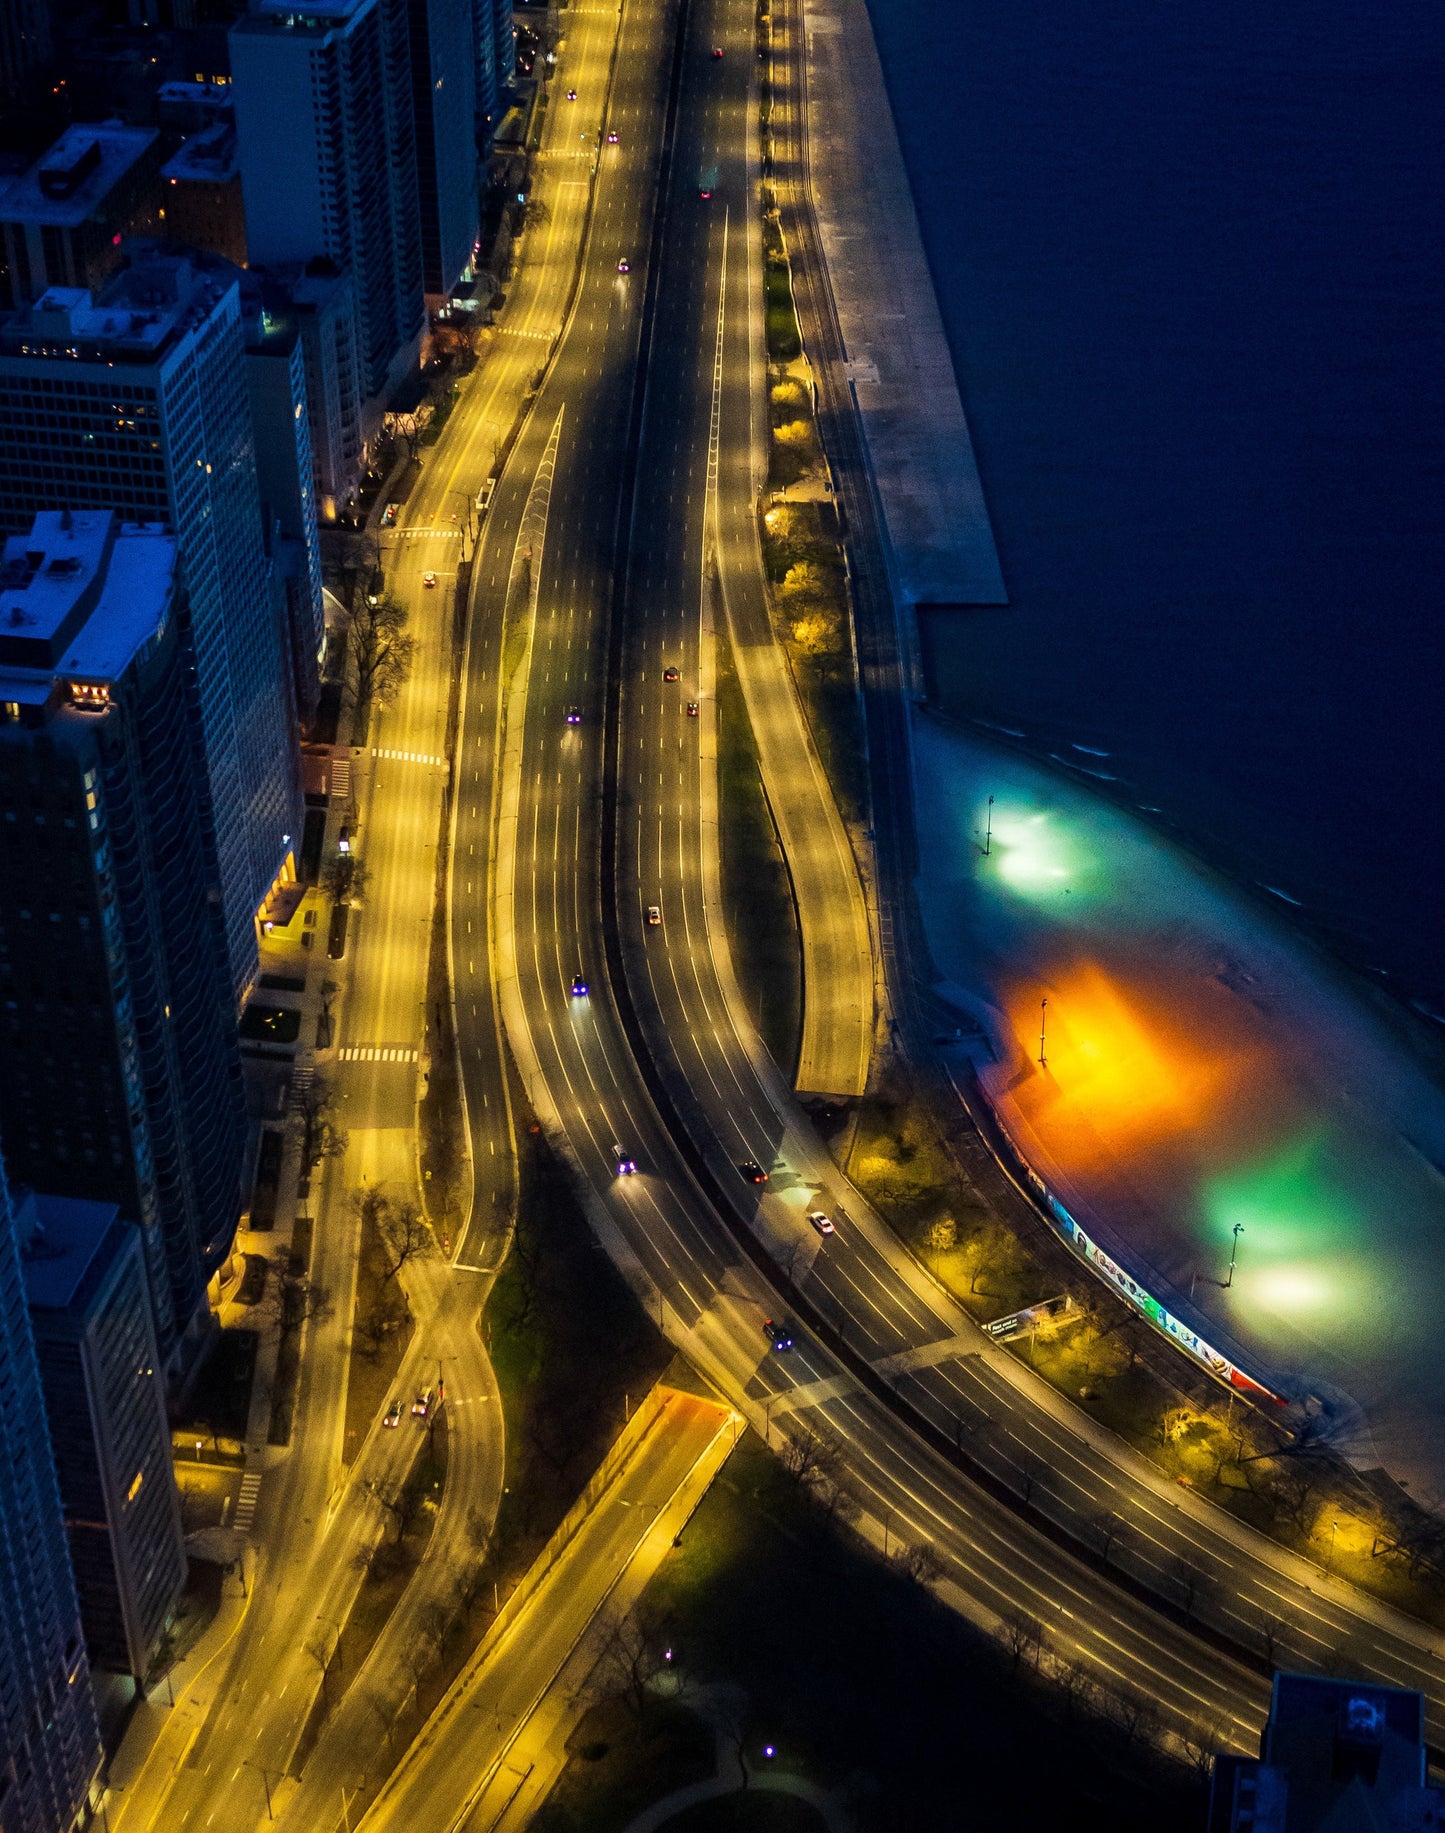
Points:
[[603, 560], [670, 1074]]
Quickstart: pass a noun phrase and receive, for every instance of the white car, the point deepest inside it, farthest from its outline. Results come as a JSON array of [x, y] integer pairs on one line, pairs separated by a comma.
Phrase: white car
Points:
[[821, 1221], [654, 917], [428, 579]]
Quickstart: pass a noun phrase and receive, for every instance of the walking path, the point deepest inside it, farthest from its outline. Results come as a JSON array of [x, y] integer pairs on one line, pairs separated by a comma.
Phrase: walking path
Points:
[[732, 1778], [898, 363]]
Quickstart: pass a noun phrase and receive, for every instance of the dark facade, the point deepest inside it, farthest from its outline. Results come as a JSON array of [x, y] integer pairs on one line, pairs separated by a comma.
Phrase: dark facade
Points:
[[1335, 1756], [49, 1738], [136, 401], [444, 72], [327, 136], [119, 1066], [90, 1310]]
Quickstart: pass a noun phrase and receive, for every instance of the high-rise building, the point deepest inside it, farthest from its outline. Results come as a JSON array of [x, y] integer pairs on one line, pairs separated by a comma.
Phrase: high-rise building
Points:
[[203, 204], [49, 1738], [86, 1286], [286, 473], [64, 220], [137, 401], [444, 75], [324, 115], [1335, 1755], [25, 45], [504, 40], [119, 1066]]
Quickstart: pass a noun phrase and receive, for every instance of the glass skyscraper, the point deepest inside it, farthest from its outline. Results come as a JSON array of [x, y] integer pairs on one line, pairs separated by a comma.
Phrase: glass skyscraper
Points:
[[49, 1739], [137, 401]]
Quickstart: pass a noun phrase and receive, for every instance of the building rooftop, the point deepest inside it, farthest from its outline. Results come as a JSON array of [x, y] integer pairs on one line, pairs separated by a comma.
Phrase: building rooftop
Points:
[[71, 182], [64, 1247], [80, 593], [308, 16], [208, 157], [161, 293]]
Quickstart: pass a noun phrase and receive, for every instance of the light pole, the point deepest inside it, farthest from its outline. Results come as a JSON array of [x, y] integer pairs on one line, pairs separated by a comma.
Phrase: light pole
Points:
[[265, 1783], [1330, 1558], [1043, 1032], [988, 831], [1233, 1255]]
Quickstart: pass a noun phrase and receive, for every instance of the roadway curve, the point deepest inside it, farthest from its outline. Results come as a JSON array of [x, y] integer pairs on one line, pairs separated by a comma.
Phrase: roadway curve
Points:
[[599, 1073]]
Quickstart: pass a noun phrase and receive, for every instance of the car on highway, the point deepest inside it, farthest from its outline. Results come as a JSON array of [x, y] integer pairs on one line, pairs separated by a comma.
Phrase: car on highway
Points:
[[574, 716], [627, 1167], [692, 709], [428, 579], [654, 917], [704, 192], [571, 95], [753, 1171], [578, 988], [612, 138], [393, 1414], [624, 266], [822, 1221], [671, 674], [388, 515], [422, 1405], [717, 51], [780, 1335]]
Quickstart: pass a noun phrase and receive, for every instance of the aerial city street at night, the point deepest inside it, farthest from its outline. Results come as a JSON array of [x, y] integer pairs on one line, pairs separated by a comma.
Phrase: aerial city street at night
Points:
[[721, 1080]]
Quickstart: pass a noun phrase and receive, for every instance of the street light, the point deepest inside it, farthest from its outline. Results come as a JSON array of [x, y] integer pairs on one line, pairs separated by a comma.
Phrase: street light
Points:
[[1043, 1031]]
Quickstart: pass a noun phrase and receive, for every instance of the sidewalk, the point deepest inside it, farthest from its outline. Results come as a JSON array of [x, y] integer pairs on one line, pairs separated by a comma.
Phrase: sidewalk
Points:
[[898, 365], [497, 1742], [161, 1733]]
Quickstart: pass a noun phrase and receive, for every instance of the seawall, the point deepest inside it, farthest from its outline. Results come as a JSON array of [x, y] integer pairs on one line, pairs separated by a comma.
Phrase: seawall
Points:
[[941, 547]]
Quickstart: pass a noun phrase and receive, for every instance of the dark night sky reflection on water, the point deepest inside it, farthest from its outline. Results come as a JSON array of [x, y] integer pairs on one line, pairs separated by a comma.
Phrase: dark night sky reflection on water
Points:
[[1192, 265]]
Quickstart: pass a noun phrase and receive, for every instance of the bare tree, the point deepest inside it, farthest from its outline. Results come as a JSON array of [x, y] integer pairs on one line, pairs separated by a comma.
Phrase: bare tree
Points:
[[1269, 1635], [1199, 1744], [634, 1654], [314, 1119], [1107, 1531], [467, 1587], [810, 1457], [1023, 1637], [344, 878], [381, 650], [921, 1563], [1191, 1581], [400, 1504], [299, 1298], [405, 1236], [1135, 1715], [408, 428]]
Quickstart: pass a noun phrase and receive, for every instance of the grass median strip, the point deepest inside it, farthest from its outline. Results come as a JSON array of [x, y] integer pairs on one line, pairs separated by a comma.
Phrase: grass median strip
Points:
[[757, 898]]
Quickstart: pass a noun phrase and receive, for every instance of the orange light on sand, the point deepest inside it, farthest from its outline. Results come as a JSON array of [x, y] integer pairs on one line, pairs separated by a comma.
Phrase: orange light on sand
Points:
[[1118, 1061]]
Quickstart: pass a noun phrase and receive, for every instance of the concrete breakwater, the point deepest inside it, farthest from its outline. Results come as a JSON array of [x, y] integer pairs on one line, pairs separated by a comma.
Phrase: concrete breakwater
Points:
[[899, 369]]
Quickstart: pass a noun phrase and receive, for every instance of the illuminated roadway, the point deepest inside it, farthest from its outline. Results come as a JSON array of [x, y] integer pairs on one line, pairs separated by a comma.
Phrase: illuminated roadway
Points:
[[314, 1516], [596, 1091]]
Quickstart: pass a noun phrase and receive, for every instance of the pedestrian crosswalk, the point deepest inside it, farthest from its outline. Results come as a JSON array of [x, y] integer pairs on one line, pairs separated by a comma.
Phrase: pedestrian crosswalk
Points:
[[376, 1053], [538, 337], [246, 1501], [420, 534], [408, 757], [302, 1076], [340, 778]]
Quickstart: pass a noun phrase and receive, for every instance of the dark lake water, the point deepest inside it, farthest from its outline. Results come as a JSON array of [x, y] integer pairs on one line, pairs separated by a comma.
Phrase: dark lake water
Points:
[[1191, 262]]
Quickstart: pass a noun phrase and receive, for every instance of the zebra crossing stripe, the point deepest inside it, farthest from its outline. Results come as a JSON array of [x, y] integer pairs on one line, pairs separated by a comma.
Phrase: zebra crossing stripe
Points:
[[378, 1053], [246, 1502]]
